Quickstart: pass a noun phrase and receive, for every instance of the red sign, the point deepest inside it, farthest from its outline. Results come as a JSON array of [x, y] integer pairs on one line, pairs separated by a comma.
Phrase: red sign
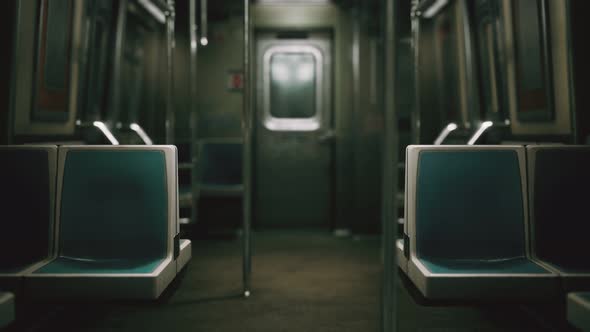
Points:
[[235, 81]]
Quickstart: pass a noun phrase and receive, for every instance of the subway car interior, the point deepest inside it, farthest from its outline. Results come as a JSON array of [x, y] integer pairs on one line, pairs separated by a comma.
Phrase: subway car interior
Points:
[[294, 165]]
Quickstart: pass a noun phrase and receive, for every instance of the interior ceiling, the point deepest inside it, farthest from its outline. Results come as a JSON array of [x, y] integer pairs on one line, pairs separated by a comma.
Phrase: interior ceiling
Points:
[[219, 9]]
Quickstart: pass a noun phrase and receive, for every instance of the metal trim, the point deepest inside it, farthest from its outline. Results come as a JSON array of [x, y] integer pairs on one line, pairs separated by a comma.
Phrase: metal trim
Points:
[[390, 158], [247, 160]]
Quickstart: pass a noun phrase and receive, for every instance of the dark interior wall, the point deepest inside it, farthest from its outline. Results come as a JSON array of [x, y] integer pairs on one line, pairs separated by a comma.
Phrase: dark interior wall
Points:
[[93, 73], [367, 126], [220, 108], [427, 107], [581, 69], [43, 108], [7, 36], [184, 114]]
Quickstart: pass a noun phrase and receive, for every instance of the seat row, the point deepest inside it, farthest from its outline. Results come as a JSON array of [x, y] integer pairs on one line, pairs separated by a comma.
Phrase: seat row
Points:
[[90, 221], [220, 169], [489, 222]]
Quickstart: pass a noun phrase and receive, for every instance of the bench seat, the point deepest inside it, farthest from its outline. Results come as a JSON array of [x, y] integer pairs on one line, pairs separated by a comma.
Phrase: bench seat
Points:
[[467, 225], [117, 220]]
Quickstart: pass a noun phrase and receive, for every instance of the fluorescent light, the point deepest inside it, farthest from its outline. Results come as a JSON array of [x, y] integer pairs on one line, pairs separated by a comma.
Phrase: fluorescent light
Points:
[[204, 41]]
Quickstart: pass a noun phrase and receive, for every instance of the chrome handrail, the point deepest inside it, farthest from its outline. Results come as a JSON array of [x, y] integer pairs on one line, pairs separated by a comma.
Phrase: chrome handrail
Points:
[[141, 133], [445, 132], [102, 127], [483, 127]]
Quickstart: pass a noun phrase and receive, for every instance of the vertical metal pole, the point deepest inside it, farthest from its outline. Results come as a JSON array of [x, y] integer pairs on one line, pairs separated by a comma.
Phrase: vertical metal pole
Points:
[[470, 69], [169, 72], [546, 52], [118, 62], [204, 37], [194, 116], [416, 114], [390, 157], [247, 124], [356, 108]]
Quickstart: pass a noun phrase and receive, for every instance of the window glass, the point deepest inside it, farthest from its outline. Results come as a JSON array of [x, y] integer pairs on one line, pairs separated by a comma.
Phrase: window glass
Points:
[[293, 85]]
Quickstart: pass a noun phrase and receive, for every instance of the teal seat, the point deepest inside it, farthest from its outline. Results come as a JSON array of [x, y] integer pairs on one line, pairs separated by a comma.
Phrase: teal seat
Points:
[[220, 167], [6, 309], [65, 265], [517, 265], [469, 219], [559, 208], [113, 214], [469, 199], [117, 216], [27, 177]]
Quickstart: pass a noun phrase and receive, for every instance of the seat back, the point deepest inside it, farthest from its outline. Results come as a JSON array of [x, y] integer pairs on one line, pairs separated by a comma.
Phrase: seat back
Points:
[[467, 203], [221, 162], [558, 181], [27, 194], [117, 203]]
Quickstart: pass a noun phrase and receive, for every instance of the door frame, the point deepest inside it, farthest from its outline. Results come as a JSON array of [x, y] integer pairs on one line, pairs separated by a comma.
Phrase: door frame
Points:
[[327, 119]]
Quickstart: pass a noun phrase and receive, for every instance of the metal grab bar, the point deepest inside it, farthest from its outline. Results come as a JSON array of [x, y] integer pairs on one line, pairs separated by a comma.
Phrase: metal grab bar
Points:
[[480, 131], [445, 132], [141, 133], [103, 128]]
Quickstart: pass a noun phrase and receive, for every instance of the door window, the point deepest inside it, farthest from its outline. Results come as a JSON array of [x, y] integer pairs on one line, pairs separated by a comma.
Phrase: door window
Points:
[[292, 78], [292, 85]]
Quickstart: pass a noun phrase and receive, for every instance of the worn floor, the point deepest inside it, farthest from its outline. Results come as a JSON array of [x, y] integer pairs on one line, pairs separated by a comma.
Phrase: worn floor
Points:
[[302, 281]]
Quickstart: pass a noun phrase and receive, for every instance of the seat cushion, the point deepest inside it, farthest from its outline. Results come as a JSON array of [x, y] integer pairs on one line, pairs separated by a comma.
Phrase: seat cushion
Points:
[[517, 265], [63, 265]]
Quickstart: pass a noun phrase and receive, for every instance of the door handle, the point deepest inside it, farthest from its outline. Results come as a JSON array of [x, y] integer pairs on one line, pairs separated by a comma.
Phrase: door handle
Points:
[[327, 137]]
